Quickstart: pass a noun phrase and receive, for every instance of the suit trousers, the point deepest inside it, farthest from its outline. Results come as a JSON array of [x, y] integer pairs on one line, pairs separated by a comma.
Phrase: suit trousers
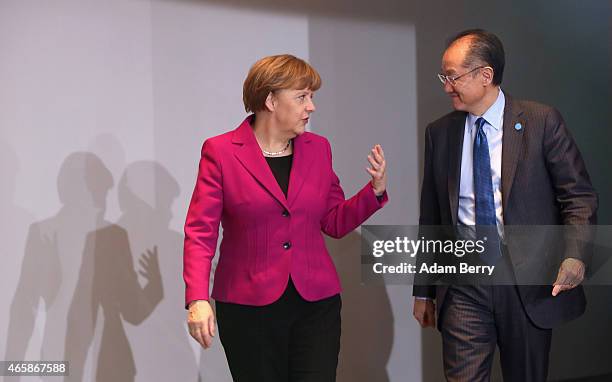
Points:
[[290, 340], [476, 318]]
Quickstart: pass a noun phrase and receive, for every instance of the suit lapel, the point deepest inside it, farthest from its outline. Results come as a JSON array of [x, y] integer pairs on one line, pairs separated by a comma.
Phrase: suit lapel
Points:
[[455, 148], [250, 156], [302, 162], [512, 143]]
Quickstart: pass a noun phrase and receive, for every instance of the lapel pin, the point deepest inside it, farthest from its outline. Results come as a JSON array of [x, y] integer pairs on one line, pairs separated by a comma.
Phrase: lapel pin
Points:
[[518, 126]]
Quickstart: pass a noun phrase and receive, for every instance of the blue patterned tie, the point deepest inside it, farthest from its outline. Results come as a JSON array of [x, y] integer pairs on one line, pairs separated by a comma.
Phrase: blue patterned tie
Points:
[[483, 194]]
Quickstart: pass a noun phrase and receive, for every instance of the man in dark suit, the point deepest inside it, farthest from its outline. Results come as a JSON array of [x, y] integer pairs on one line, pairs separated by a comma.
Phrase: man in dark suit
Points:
[[503, 162]]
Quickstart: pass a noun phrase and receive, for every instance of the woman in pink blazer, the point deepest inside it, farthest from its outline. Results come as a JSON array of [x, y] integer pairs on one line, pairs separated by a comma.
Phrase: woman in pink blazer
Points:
[[271, 185]]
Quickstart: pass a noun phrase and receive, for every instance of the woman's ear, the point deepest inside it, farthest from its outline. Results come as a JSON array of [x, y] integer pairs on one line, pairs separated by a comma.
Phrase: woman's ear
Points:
[[270, 102]]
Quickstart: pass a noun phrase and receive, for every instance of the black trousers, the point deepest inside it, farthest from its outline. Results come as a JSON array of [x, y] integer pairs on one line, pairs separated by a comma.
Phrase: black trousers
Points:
[[290, 340], [476, 318]]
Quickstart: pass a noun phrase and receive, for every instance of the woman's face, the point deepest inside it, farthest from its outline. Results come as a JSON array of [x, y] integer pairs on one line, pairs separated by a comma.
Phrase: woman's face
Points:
[[292, 109]]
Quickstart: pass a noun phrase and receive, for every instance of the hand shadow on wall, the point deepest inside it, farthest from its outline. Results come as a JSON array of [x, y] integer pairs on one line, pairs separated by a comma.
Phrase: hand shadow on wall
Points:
[[161, 346], [108, 282]]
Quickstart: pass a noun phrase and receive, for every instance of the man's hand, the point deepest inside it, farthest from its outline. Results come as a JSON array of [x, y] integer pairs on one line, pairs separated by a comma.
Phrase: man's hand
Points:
[[571, 274], [201, 322], [425, 312]]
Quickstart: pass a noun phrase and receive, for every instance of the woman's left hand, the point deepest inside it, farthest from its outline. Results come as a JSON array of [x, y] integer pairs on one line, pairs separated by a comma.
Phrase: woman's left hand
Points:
[[377, 170]]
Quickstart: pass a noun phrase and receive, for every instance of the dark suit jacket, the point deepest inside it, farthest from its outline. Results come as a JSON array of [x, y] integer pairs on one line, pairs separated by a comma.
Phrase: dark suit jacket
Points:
[[544, 182]]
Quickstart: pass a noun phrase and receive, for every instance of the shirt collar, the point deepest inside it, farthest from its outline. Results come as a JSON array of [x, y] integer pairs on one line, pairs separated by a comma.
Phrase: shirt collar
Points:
[[493, 115]]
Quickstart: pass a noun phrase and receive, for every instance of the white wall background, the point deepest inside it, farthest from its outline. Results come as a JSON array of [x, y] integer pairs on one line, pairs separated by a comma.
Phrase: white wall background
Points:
[[103, 109]]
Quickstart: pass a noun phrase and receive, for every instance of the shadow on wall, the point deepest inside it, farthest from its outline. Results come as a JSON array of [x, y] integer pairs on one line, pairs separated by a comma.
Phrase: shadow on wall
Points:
[[52, 256], [108, 282], [367, 319], [146, 193], [13, 231], [82, 270]]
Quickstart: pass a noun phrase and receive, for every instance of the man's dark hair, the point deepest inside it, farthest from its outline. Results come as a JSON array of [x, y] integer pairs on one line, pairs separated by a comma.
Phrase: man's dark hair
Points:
[[485, 48]]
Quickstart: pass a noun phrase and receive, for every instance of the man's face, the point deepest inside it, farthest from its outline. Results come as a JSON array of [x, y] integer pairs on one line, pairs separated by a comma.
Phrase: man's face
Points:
[[469, 90]]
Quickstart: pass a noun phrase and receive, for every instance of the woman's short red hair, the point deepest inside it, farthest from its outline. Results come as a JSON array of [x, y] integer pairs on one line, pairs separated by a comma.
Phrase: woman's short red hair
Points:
[[275, 73]]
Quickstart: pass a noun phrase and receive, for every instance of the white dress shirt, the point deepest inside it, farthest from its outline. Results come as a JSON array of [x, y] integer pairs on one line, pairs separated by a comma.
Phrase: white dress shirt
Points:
[[494, 117]]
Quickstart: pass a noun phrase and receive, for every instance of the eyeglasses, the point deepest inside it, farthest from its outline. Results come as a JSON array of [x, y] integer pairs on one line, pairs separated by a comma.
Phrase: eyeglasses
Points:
[[453, 79]]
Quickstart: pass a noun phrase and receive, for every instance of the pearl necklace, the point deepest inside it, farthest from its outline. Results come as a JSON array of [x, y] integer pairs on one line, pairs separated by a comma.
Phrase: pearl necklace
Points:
[[277, 153]]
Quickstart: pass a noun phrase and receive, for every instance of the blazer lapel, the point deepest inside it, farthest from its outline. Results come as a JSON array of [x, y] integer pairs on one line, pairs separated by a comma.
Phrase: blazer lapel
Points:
[[512, 143], [303, 160], [249, 154], [455, 148]]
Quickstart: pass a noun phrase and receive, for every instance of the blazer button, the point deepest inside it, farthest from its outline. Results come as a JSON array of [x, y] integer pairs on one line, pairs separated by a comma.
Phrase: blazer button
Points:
[[287, 245], [285, 213]]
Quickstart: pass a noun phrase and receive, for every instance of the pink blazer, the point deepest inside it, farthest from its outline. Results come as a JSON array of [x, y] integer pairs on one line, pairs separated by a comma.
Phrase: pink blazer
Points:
[[267, 237]]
